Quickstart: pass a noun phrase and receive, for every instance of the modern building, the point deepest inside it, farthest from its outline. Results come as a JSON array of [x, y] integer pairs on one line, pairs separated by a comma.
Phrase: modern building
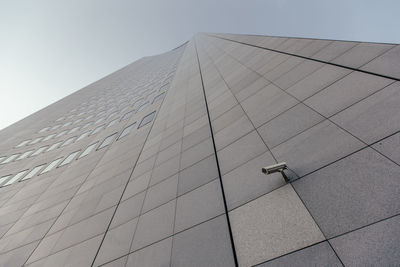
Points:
[[159, 163]]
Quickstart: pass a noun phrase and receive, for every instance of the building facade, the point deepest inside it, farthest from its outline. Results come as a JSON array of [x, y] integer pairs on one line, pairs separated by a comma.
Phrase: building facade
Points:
[[159, 163]]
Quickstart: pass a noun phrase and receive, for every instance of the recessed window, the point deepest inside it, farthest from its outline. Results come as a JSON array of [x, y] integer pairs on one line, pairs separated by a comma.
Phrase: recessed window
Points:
[[49, 137], [88, 150], [159, 97], [99, 120], [164, 87], [77, 121], [60, 119], [111, 123], [4, 178], [53, 146], [98, 129], [25, 155], [143, 106], [68, 141], [67, 124], [37, 140], [107, 141], [147, 119], [10, 158], [73, 130], [126, 131], [44, 129], [113, 114], [23, 143], [55, 127], [151, 94], [124, 109], [89, 117], [51, 165], [16, 178], [127, 115], [100, 113], [33, 172], [80, 114], [87, 125], [40, 150], [70, 158], [86, 134], [61, 133]]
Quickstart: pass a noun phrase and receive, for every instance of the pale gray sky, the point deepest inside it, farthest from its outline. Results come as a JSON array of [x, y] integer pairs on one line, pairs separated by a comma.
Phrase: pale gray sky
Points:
[[51, 48]]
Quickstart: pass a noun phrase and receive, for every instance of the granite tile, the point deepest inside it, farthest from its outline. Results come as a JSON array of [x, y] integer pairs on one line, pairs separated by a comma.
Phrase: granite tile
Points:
[[351, 193]]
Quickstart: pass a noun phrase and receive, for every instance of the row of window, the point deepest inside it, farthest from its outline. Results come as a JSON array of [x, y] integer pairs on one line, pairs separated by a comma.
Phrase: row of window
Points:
[[124, 117], [92, 108], [47, 148], [60, 162]]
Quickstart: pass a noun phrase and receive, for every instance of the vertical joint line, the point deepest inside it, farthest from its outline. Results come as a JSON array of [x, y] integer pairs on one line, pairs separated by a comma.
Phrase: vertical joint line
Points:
[[217, 161]]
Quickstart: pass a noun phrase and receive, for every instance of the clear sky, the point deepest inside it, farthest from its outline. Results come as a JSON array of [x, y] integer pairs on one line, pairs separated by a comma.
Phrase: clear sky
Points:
[[52, 48]]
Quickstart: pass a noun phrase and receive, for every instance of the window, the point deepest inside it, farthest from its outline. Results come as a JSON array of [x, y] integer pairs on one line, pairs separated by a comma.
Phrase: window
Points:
[[83, 135], [33, 172], [55, 127], [113, 114], [158, 98], [87, 125], [2, 179], [98, 129], [68, 159], [34, 141], [77, 121], [61, 133], [111, 123], [147, 119], [99, 120], [16, 177], [25, 155], [53, 146], [89, 117], [40, 150], [60, 119], [48, 137], [164, 87], [101, 113], [2, 158], [10, 158], [73, 130], [44, 129], [88, 150], [23, 143], [127, 115], [126, 131], [124, 109], [67, 124], [68, 141], [51, 165], [143, 106], [107, 141]]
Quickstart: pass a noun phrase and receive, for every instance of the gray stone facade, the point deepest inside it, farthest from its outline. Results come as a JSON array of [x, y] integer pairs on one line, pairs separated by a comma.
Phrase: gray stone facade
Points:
[[159, 163]]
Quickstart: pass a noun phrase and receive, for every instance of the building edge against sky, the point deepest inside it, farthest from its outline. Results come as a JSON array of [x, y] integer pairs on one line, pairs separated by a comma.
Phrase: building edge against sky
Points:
[[159, 163]]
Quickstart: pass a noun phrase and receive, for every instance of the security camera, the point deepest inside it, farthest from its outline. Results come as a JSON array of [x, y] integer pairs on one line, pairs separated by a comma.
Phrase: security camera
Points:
[[275, 168], [279, 167]]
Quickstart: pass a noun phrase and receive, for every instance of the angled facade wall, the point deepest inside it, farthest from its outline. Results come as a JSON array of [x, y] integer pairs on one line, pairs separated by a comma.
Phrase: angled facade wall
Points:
[[159, 163]]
